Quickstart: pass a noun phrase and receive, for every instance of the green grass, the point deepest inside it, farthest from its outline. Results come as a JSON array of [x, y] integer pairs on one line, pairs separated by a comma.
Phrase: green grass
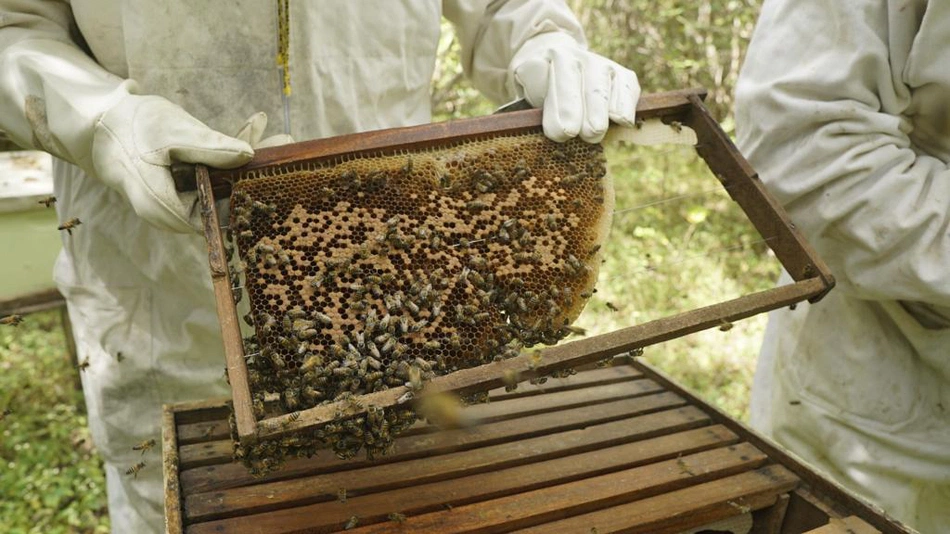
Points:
[[694, 248], [51, 479]]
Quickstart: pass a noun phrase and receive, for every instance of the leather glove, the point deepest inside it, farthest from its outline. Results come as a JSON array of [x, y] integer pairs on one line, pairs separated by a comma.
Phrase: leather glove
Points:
[[580, 91], [135, 142]]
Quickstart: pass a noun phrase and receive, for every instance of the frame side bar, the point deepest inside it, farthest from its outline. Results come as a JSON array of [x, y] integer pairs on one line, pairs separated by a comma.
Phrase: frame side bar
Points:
[[744, 186], [173, 523], [227, 311]]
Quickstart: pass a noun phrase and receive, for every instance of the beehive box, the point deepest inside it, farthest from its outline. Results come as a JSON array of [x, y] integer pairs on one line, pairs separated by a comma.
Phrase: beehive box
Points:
[[615, 449]]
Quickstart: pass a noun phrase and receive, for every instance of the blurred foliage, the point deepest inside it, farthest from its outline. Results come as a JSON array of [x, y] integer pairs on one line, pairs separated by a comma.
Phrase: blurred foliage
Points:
[[51, 479], [674, 45]]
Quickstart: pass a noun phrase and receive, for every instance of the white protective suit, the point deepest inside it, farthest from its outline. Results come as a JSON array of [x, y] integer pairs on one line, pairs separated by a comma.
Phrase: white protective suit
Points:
[[354, 65], [843, 107]]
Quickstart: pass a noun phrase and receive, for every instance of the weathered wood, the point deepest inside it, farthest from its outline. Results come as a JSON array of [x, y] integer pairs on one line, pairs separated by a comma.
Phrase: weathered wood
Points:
[[172, 486], [771, 519], [227, 312], [824, 495], [213, 426], [673, 512], [672, 426], [552, 503], [203, 454], [510, 498], [32, 302], [602, 375], [845, 525], [654, 472], [766, 214]]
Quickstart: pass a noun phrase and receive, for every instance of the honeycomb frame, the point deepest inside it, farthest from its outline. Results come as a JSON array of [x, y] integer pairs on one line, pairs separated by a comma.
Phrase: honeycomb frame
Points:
[[812, 278]]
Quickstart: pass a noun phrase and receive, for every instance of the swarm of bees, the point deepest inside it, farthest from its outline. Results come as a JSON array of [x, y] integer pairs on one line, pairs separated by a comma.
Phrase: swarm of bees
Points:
[[376, 272]]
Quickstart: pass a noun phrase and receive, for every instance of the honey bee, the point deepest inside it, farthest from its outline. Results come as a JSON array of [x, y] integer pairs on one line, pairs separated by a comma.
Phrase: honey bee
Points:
[[5, 413], [311, 362], [351, 523], [12, 320], [576, 330], [476, 205], [294, 416], [145, 446], [725, 326], [48, 201], [397, 517], [70, 225], [677, 126], [84, 364], [134, 470], [612, 307], [341, 495]]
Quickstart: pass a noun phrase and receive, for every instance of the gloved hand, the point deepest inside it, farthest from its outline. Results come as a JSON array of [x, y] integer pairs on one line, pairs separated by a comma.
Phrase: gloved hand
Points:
[[580, 91], [252, 133], [136, 140]]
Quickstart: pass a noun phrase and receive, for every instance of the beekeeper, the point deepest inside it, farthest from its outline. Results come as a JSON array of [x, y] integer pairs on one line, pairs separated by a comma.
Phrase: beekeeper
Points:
[[844, 110], [118, 89]]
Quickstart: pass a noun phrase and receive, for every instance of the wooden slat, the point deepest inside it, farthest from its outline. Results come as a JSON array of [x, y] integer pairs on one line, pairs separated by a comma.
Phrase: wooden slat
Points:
[[517, 496], [210, 453], [819, 496], [323, 487], [695, 506], [846, 525], [770, 520], [586, 391], [551, 503], [429, 444], [597, 376]]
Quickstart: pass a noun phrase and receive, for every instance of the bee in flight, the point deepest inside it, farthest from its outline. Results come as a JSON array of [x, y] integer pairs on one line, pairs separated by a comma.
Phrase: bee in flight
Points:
[[145, 446], [48, 201], [134, 470], [69, 225], [12, 320]]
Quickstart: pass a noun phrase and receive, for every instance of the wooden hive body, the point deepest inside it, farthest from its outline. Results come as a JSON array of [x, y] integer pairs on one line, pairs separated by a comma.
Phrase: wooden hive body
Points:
[[615, 449]]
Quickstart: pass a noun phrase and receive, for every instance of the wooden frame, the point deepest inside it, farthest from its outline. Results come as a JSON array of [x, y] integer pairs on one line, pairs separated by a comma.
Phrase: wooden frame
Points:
[[812, 277]]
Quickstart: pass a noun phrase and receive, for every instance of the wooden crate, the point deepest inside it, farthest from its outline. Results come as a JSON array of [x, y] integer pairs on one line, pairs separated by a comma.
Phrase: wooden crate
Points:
[[616, 449]]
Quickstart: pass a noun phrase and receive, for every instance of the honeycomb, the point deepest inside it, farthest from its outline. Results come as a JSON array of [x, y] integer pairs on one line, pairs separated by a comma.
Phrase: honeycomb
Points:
[[370, 272]]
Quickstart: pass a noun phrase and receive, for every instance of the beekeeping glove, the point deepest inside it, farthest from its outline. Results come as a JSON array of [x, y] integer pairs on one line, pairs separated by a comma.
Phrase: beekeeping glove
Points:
[[252, 133], [136, 140], [580, 91], [54, 97]]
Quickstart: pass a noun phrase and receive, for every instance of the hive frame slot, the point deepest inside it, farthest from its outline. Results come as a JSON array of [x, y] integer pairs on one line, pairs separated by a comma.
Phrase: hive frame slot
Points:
[[812, 279]]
